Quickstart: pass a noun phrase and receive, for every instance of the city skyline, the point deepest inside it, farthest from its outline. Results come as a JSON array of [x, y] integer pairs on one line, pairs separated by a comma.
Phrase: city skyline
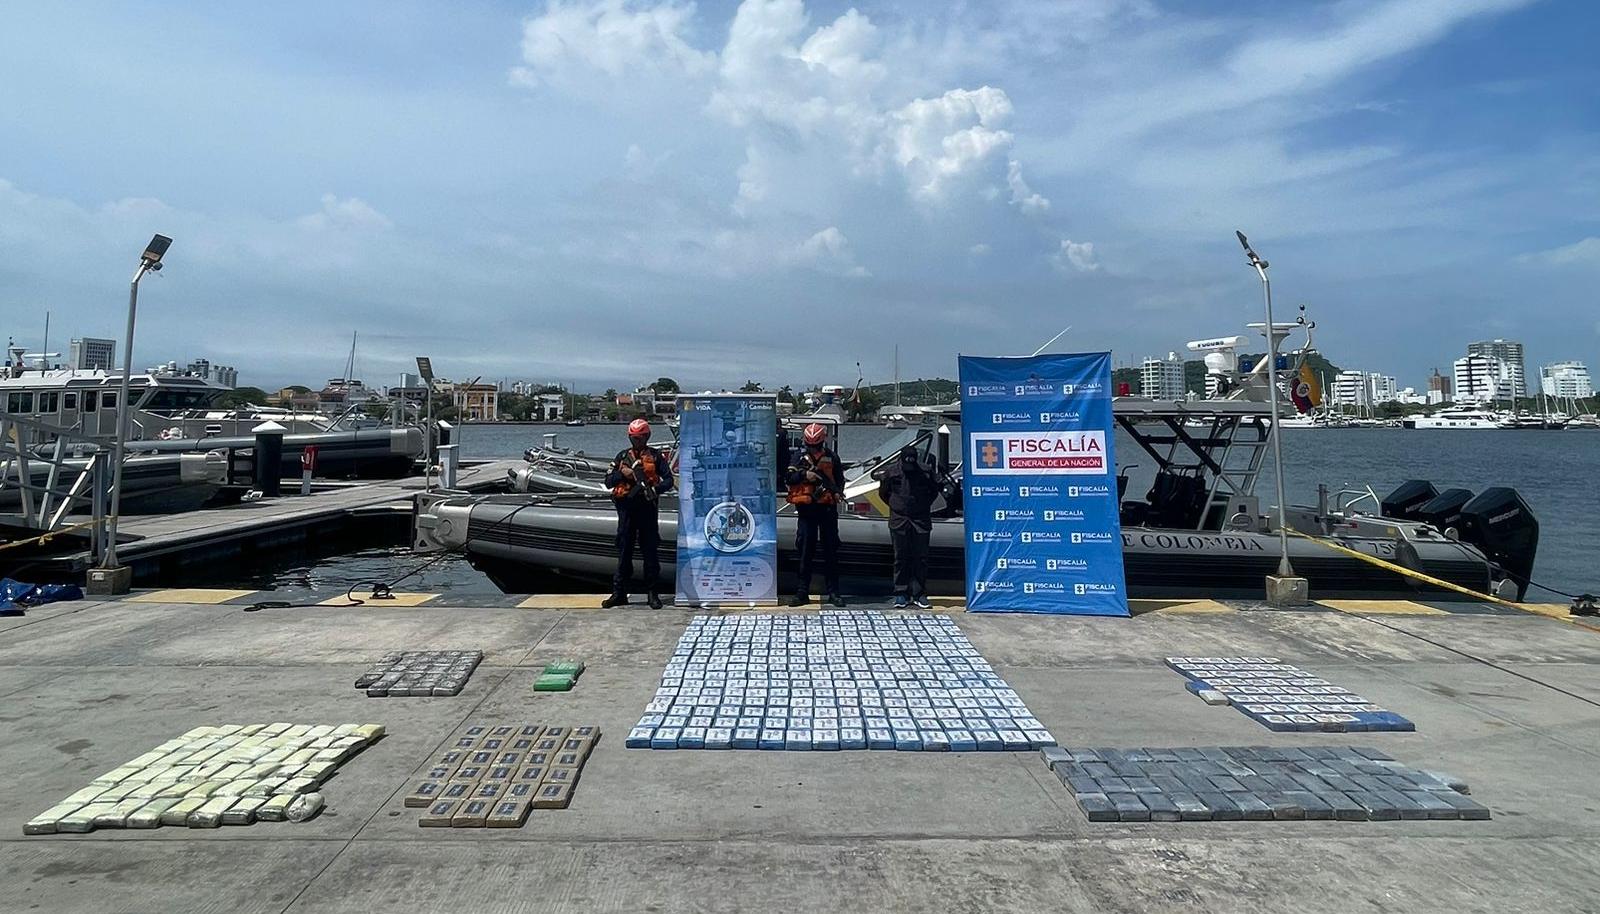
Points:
[[515, 185]]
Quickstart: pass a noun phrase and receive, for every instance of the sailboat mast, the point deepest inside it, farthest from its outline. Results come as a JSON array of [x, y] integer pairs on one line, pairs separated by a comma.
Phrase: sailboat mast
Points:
[[897, 374], [350, 363]]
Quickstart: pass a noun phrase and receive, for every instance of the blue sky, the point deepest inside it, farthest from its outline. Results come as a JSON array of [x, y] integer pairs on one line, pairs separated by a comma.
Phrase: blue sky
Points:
[[605, 191]]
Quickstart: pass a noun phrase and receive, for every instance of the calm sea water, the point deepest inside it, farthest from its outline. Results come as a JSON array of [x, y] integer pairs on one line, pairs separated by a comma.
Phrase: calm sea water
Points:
[[1554, 471]]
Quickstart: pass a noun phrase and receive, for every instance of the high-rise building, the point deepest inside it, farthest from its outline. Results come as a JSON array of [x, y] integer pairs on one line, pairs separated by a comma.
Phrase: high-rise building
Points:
[[1350, 388], [1482, 378], [1510, 353], [91, 353], [226, 375], [1162, 379], [1382, 388], [1566, 380], [1439, 389]]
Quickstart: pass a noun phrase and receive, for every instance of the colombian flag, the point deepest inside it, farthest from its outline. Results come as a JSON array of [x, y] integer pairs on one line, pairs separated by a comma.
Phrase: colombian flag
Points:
[[1305, 391]]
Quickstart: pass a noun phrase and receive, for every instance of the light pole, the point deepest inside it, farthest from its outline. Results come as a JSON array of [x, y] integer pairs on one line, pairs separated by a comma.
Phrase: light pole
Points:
[[1285, 570], [149, 261]]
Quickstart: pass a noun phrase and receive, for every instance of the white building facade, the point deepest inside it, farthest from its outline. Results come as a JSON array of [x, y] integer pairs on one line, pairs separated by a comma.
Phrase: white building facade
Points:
[[1382, 388], [91, 353], [1481, 379], [1566, 380], [1509, 352], [1350, 388], [1162, 379]]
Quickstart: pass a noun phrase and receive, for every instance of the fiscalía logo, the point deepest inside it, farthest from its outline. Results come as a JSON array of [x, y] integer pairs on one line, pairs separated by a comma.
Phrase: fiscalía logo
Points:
[[1091, 491], [1068, 565], [979, 391], [1092, 537], [1012, 514], [1055, 417], [1044, 587], [991, 536], [1084, 387], [987, 491], [1069, 516], [1075, 453], [1083, 589], [1012, 562], [1041, 536], [1045, 491], [993, 586], [1011, 418], [1035, 387]]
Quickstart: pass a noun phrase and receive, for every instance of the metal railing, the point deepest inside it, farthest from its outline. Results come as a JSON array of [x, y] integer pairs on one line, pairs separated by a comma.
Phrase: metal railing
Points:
[[31, 449]]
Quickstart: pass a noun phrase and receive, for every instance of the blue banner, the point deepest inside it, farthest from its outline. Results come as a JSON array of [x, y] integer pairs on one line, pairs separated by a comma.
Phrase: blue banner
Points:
[[1042, 524], [727, 500]]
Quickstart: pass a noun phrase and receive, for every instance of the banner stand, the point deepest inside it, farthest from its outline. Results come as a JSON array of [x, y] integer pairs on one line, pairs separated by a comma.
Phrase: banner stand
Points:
[[727, 501], [1042, 521]]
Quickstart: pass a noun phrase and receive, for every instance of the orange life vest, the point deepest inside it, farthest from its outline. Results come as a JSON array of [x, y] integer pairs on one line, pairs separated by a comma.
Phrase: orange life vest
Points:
[[651, 477], [808, 493]]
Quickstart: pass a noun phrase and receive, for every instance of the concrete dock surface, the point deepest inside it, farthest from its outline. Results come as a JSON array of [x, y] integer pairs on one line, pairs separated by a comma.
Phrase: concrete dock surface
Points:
[[1508, 702]]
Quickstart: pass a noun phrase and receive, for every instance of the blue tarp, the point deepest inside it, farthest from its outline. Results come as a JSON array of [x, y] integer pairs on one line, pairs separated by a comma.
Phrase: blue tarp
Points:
[[14, 595]]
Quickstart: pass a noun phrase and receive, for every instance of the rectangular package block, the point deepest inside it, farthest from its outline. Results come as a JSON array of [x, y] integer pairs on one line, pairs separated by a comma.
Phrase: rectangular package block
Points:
[[440, 815], [509, 813], [553, 796], [471, 814], [274, 808]]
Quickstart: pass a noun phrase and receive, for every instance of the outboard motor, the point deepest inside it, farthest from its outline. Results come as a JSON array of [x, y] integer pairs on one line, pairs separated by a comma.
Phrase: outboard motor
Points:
[[1500, 523], [1443, 511], [1403, 502]]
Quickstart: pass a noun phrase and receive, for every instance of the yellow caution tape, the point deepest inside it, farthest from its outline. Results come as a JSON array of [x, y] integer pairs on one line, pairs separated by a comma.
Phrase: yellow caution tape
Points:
[[1404, 571], [45, 537]]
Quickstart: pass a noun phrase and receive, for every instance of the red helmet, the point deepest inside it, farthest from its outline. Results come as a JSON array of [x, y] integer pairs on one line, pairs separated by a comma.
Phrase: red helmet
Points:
[[638, 428], [815, 433]]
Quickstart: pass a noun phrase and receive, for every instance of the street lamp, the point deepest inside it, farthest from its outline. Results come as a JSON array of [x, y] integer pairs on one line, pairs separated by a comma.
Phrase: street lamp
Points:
[[1285, 570], [149, 261]]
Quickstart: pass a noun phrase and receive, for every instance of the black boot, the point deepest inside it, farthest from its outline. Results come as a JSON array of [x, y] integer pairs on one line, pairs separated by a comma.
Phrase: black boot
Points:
[[799, 599], [654, 600], [836, 599], [616, 599]]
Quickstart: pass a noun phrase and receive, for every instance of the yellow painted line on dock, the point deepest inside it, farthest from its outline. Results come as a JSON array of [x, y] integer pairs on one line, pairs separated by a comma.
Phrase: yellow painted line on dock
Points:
[[1384, 607], [566, 601], [189, 595], [1140, 607], [401, 598], [1561, 612]]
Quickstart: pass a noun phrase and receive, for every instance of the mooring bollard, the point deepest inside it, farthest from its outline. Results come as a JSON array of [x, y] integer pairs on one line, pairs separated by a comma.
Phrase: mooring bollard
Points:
[[308, 466], [449, 460], [269, 458]]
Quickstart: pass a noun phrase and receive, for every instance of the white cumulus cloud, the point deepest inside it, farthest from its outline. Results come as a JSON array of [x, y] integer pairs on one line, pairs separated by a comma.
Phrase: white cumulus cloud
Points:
[[1076, 255], [1023, 196], [345, 213], [829, 250], [618, 39]]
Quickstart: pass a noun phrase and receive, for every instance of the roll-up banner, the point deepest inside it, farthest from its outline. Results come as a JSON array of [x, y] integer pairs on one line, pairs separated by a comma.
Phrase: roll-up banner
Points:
[[1043, 532], [727, 501]]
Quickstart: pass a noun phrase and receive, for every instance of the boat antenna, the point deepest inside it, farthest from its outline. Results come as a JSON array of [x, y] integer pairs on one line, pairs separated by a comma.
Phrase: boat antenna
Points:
[[1051, 340], [1285, 570]]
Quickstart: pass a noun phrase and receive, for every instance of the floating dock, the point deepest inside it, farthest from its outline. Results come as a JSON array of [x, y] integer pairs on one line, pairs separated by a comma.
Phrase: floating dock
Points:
[[157, 543], [1503, 699]]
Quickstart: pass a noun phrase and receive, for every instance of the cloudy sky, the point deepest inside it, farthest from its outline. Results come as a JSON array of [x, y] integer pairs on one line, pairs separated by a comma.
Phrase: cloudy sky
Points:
[[605, 191]]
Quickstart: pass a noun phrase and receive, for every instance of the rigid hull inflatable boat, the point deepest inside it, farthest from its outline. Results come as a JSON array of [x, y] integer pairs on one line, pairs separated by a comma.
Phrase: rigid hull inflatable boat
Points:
[[1198, 531]]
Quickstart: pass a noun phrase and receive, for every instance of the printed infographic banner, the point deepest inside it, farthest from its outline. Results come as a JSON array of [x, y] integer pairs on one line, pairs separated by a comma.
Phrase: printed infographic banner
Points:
[[1043, 532], [727, 500]]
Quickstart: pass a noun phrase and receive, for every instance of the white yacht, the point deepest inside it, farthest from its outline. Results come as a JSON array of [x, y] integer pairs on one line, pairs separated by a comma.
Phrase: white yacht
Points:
[[1457, 417], [178, 413]]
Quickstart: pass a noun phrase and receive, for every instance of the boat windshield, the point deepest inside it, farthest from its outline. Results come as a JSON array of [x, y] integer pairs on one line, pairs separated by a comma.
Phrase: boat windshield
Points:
[[921, 438]]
